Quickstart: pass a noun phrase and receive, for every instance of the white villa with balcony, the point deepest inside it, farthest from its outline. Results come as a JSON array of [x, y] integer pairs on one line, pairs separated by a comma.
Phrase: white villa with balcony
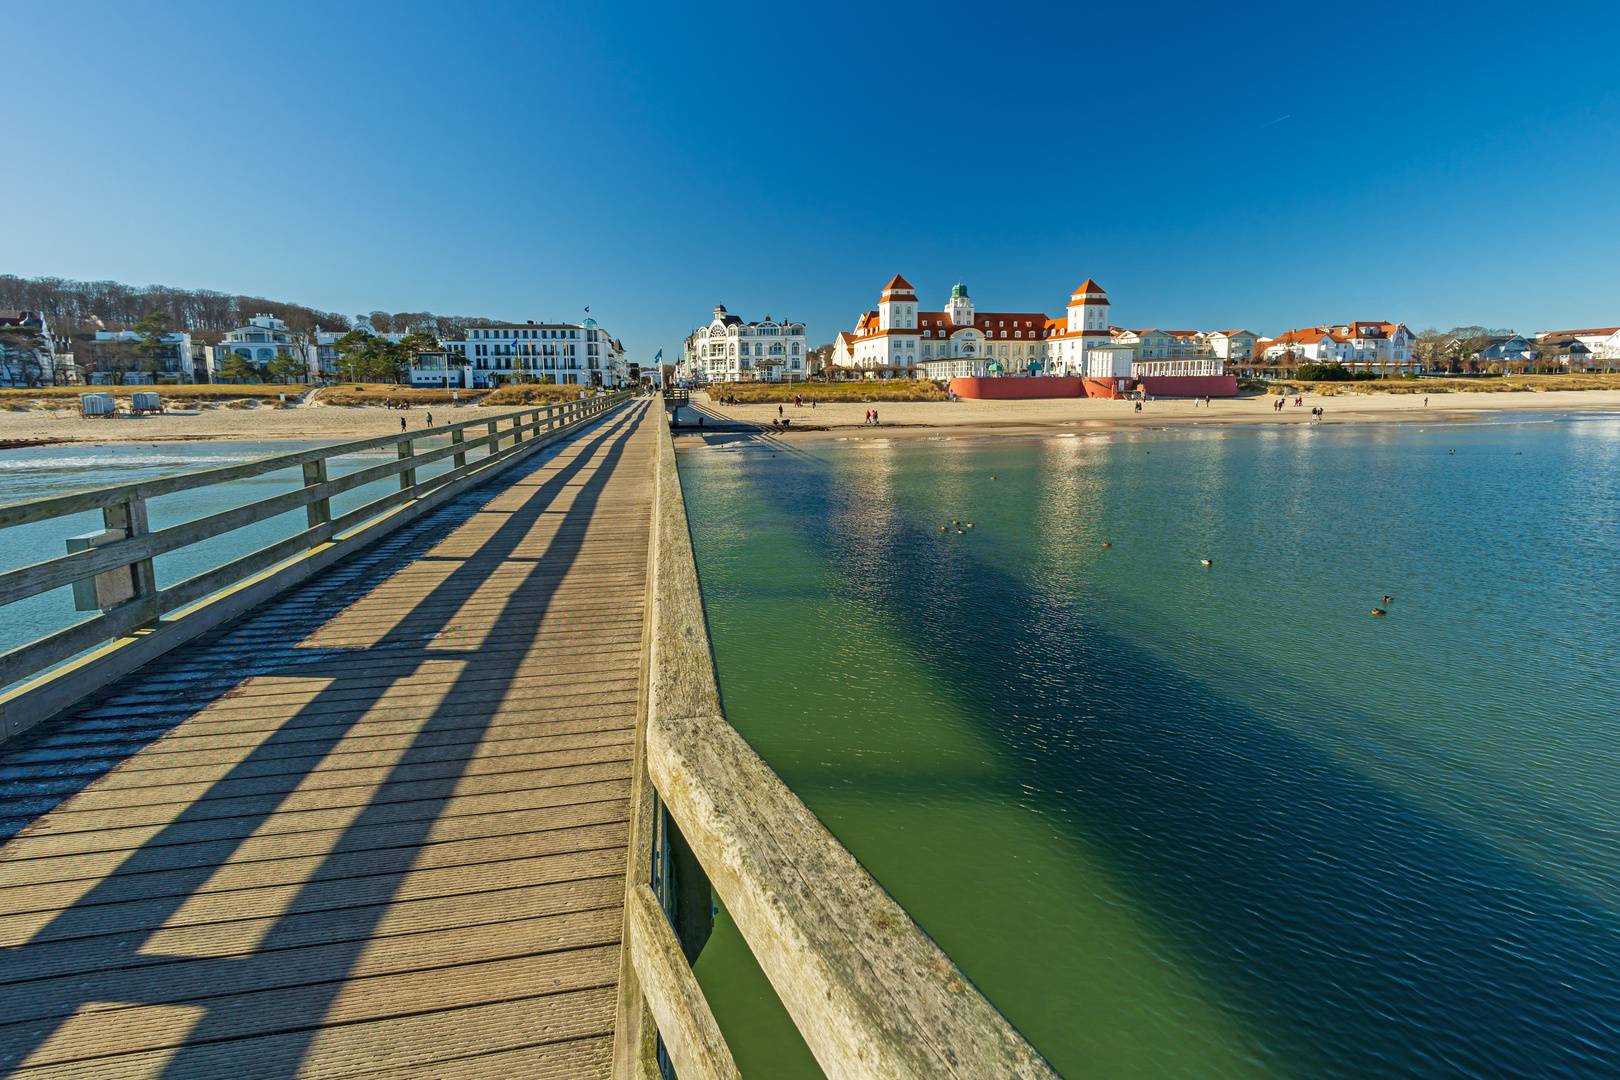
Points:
[[730, 350]]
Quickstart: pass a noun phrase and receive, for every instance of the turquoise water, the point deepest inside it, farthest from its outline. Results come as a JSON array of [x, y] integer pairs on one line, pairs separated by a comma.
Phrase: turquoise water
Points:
[[41, 472], [1190, 821]]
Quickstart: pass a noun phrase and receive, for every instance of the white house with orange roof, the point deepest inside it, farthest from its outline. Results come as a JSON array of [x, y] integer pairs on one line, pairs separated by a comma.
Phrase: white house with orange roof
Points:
[[1369, 345], [1083, 327], [1603, 342], [1233, 346]]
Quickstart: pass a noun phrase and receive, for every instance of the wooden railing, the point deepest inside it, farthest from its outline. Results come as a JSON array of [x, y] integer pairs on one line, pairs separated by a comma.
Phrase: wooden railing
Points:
[[871, 993], [112, 570]]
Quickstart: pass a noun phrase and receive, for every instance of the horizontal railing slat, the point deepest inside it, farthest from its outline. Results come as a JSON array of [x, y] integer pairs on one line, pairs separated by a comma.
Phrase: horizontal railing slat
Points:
[[35, 656], [22, 513], [869, 990]]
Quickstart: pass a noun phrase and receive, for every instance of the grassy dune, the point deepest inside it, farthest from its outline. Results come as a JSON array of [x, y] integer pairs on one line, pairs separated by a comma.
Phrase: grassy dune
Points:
[[534, 394], [873, 391]]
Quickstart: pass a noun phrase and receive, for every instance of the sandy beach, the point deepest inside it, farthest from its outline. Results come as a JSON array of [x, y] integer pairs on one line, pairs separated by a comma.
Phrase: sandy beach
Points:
[[326, 423], [930, 419], [918, 419]]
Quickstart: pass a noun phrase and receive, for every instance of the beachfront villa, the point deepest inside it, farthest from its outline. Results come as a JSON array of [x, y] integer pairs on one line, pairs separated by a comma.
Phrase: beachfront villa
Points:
[[1367, 345], [568, 354], [730, 350]]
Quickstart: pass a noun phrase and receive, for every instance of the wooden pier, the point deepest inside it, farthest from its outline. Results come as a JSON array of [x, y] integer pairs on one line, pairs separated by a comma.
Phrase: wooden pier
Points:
[[437, 788], [404, 858]]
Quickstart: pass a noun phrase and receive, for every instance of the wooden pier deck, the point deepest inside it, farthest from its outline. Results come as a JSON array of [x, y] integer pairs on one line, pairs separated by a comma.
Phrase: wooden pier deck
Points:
[[385, 838]]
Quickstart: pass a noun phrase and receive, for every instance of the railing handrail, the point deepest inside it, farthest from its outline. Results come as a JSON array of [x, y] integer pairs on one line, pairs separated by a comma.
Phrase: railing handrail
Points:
[[139, 602], [77, 502], [872, 994]]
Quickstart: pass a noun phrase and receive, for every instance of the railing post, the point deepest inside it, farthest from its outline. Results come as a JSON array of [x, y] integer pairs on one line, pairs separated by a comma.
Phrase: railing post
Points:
[[130, 518], [517, 430], [458, 437], [407, 478], [319, 511]]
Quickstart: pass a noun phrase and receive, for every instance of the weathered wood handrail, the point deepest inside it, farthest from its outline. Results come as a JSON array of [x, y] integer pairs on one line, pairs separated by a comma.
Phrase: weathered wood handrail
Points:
[[124, 512], [871, 993]]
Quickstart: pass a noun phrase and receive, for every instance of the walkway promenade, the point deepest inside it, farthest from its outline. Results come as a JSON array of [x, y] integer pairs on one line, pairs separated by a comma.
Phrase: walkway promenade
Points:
[[382, 827]]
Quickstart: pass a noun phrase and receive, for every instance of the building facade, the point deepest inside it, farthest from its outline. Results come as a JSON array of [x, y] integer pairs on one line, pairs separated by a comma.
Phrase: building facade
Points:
[[1368, 346], [900, 340], [569, 354], [180, 359], [730, 350], [36, 359]]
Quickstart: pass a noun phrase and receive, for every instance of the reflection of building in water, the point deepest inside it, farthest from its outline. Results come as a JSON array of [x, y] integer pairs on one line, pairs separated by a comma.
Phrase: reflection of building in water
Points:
[[899, 340]]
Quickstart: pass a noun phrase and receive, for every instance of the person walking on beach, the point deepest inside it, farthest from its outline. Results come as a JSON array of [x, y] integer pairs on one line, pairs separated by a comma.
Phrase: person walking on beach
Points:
[[429, 419], [779, 412]]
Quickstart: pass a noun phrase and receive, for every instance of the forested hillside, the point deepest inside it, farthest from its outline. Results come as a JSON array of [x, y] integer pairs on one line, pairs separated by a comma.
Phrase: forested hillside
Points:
[[78, 306]]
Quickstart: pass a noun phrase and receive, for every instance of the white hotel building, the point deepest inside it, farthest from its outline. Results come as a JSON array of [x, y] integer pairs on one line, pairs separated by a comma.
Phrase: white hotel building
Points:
[[730, 350], [899, 340], [572, 354]]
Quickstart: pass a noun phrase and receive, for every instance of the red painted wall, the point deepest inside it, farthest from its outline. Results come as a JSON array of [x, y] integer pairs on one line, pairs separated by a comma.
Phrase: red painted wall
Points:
[[1191, 385], [1026, 386]]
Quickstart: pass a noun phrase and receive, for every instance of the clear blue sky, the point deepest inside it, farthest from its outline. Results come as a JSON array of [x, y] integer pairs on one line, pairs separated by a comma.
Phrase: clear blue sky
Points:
[[1438, 164]]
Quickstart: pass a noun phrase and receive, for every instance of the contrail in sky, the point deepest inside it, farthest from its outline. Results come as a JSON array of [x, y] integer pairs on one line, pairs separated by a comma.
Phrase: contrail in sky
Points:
[[1279, 120]]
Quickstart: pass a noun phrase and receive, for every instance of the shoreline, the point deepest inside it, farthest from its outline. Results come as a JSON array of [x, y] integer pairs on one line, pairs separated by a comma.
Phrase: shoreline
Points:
[[844, 421], [21, 431]]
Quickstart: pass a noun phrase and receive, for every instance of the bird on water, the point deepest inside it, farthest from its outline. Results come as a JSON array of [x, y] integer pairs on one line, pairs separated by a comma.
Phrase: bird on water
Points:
[[1206, 562], [1379, 611]]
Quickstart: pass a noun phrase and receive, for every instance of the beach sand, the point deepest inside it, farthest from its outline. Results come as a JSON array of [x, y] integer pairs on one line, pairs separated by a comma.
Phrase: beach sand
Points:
[[932, 419], [914, 419], [324, 423]]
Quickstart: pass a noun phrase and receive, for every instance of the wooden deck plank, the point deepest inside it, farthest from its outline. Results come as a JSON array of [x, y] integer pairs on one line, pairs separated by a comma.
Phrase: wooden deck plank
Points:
[[393, 849]]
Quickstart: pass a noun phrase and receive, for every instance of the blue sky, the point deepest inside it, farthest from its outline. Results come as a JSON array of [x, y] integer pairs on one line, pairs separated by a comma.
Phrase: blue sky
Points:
[[1262, 166]]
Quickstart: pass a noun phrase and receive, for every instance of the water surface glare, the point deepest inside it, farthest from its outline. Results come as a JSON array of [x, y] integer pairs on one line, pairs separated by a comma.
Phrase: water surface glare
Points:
[[1201, 821]]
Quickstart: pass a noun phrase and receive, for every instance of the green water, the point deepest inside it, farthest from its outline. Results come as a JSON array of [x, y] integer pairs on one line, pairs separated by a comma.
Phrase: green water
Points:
[[1190, 821]]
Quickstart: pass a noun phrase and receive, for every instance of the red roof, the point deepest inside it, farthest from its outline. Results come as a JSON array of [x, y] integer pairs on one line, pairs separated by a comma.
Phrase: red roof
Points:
[[1089, 287], [898, 284]]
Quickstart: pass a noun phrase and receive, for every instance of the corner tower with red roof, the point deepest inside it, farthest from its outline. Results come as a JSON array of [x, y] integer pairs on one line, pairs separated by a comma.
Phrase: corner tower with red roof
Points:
[[898, 308], [1088, 308]]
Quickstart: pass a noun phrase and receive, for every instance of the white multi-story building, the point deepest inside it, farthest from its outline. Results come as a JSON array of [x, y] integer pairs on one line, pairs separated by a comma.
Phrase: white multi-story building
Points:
[[260, 339], [1602, 343], [46, 362], [730, 350], [1233, 346], [1371, 346], [571, 354], [899, 340], [181, 358]]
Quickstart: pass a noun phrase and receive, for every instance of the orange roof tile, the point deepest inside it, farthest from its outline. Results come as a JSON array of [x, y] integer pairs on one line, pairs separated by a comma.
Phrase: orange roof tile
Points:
[[899, 283]]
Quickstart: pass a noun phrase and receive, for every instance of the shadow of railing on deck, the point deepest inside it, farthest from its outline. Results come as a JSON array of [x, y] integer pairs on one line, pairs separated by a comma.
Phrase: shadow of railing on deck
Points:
[[258, 995]]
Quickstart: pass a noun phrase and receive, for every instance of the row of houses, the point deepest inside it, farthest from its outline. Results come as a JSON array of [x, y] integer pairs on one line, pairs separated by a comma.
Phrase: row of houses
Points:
[[581, 354], [900, 339]]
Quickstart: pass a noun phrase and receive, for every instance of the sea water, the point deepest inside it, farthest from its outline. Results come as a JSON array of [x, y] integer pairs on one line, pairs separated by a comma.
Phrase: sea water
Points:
[[46, 471], [1179, 820]]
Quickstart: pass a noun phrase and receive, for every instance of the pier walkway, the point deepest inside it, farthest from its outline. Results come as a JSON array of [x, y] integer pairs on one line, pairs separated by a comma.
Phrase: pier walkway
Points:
[[378, 826]]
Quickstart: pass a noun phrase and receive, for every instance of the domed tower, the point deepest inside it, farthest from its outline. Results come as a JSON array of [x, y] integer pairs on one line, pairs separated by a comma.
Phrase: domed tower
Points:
[[720, 312], [1088, 308], [960, 308], [898, 308]]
